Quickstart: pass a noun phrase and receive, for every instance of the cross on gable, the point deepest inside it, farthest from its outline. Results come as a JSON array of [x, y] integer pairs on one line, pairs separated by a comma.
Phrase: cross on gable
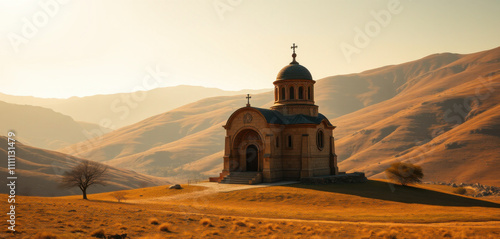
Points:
[[248, 100]]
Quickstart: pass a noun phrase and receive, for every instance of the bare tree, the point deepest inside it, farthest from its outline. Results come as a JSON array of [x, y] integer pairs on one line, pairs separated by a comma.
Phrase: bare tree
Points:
[[84, 175]]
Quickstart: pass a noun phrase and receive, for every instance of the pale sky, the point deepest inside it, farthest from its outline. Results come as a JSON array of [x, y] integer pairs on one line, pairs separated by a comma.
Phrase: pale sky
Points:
[[51, 48]]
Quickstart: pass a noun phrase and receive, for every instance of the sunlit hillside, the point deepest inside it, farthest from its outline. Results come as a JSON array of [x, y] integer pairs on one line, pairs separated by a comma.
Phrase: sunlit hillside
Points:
[[446, 120], [386, 114], [39, 172], [45, 128], [117, 110]]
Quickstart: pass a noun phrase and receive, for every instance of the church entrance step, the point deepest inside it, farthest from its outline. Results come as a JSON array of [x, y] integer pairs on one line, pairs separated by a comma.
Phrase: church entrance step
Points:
[[242, 178]]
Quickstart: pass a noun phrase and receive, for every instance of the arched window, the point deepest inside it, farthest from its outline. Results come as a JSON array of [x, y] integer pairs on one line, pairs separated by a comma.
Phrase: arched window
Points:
[[301, 93], [277, 141], [290, 143], [309, 93], [292, 93], [276, 94], [282, 92], [320, 139]]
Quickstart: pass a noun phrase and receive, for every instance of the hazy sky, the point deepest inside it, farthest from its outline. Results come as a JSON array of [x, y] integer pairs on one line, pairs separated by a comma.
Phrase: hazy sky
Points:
[[51, 48]]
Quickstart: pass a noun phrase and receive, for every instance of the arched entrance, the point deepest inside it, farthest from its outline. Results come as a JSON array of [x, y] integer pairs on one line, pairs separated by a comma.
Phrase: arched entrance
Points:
[[252, 158], [247, 151]]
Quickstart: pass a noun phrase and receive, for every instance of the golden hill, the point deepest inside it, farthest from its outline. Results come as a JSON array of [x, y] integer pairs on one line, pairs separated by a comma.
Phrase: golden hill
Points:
[[123, 109], [399, 112], [169, 140], [446, 120], [44, 128], [373, 209], [40, 170]]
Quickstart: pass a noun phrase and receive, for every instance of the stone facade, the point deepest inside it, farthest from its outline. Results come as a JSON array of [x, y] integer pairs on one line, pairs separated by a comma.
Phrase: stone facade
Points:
[[290, 141]]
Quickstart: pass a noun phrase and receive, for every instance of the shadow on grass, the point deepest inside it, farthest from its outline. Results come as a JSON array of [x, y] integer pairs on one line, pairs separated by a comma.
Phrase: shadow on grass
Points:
[[397, 193]]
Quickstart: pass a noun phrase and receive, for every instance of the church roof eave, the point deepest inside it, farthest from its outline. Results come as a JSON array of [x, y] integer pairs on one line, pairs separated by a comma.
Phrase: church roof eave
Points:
[[276, 118]]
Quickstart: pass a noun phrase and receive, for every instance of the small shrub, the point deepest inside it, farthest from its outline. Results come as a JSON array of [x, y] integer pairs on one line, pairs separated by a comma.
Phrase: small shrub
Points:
[[393, 234], [382, 233], [45, 235], [307, 228], [460, 190], [206, 222], [240, 223], [153, 221], [119, 196], [388, 235], [270, 226], [117, 236], [210, 233], [404, 173], [99, 233], [165, 227], [152, 237], [447, 234]]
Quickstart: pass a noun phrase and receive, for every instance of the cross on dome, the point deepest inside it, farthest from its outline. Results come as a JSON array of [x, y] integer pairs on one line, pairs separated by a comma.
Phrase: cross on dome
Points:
[[294, 55], [293, 47]]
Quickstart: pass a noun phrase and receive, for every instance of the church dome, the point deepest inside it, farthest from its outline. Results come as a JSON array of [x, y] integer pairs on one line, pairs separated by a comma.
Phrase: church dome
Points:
[[294, 71]]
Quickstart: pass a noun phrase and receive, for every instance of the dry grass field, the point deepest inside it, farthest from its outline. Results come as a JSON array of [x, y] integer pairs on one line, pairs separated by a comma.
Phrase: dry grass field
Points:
[[371, 210]]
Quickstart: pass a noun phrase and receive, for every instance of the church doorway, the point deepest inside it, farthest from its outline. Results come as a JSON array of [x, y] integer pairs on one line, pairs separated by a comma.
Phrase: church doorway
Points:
[[252, 158], [247, 151]]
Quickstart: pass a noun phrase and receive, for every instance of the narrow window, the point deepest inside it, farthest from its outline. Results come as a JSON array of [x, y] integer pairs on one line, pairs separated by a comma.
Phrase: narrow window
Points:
[[290, 144], [292, 93], [282, 93], [276, 94], [277, 141], [308, 93], [301, 93], [320, 139]]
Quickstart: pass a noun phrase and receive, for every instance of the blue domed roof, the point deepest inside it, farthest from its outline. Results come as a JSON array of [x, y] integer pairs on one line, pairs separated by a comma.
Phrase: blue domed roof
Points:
[[294, 71]]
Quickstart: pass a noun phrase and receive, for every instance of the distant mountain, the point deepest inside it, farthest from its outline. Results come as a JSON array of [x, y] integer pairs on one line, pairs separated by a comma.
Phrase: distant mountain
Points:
[[344, 94], [45, 128], [446, 119], [118, 110], [383, 115], [161, 143], [40, 170]]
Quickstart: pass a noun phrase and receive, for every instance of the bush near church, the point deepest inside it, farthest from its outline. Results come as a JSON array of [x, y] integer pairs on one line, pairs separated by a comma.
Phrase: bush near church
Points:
[[405, 173], [460, 190]]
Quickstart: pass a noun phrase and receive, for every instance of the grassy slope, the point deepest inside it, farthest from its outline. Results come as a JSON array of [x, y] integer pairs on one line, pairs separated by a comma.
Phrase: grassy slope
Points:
[[43, 127], [124, 108], [421, 123], [374, 201], [40, 171], [390, 113], [370, 210]]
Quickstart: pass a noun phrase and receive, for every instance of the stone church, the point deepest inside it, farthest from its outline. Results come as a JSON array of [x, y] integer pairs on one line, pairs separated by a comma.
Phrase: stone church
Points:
[[289, 141]]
